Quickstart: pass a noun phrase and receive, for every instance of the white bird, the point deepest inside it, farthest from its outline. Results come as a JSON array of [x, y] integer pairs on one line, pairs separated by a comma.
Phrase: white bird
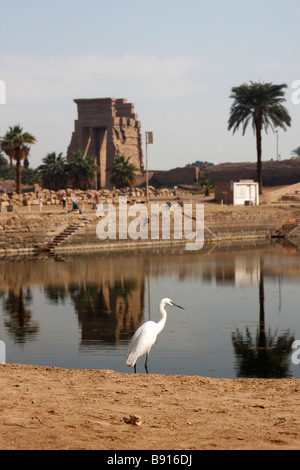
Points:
[[145, 336]]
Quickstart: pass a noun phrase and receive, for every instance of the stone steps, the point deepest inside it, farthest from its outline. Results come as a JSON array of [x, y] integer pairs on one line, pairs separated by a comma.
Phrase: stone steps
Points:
[[291, 228], [291, 197], [66, 234], [295, 232]]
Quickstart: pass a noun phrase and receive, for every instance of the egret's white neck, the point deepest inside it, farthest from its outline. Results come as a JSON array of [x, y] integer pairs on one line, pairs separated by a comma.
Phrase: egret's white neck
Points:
[[163, 319]]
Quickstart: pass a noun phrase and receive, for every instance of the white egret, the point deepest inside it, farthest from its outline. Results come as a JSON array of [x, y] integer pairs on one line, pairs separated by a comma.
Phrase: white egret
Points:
[[145, 336]]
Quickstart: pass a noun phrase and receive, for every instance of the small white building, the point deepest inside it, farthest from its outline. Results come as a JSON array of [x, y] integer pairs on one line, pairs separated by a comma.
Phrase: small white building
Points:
[[243, 192]]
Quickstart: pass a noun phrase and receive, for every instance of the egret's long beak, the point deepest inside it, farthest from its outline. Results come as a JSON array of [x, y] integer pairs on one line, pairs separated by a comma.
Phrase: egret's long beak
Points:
[[177, 306]]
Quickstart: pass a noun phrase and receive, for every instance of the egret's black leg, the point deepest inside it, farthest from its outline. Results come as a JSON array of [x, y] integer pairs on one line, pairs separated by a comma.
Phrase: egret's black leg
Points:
[[134, 368], [146, 363]]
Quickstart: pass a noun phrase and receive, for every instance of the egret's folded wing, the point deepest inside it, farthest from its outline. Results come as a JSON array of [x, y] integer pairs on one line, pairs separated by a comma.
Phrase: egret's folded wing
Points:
[[142, 341]]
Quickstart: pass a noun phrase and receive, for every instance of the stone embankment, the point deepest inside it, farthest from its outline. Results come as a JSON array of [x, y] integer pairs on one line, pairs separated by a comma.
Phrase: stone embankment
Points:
[[28, 232]]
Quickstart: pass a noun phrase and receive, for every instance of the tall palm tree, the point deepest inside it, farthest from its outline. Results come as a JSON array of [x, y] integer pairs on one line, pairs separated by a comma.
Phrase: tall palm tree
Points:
[[82, 171], [122, 172], [53, 171], [15, 145], [260, 103]]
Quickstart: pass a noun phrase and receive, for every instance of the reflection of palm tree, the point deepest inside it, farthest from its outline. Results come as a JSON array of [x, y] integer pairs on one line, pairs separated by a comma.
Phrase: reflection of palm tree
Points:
[[124, 289], [269, 361], [90, 297], [56, 294], [19, 323], [268, 355]]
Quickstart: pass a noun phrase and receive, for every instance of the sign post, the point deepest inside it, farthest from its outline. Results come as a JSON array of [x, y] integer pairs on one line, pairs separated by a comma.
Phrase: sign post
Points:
[[149, 140]]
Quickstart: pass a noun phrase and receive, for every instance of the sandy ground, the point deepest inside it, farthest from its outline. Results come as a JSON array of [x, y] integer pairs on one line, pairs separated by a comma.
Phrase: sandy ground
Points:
[[53, 408]]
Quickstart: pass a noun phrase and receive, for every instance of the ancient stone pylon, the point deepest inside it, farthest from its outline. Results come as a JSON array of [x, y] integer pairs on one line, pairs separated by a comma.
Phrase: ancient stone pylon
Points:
[[106, 128]]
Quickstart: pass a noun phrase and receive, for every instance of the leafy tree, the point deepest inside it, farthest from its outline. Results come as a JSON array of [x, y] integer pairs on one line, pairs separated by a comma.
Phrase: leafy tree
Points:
[[7, 173], [3, 161], [260, 104], [82, 171], [207, 185], [123, 173], [200, 164], [15, 145], [30, 176], [53, 171], [296, 152]]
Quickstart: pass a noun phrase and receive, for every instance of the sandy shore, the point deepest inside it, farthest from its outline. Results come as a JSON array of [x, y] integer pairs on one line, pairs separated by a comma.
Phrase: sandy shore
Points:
[[53, 408]]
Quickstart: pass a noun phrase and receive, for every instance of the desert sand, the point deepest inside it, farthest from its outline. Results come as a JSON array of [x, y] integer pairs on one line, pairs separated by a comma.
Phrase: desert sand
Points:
[[52, 408]]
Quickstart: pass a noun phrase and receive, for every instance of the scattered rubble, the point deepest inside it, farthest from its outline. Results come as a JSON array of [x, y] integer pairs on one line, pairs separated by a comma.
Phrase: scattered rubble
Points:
[[50, 197]]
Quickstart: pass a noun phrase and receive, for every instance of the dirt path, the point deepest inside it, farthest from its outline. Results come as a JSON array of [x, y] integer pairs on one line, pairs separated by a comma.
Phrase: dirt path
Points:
[[52, 408]]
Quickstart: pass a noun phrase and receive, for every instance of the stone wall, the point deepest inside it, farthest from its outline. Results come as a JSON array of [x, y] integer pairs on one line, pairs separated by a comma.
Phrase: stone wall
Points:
[[274, 173], [25, 232], [239, 222], [185, 175], [223, 192], [220, 224], [21, 233]]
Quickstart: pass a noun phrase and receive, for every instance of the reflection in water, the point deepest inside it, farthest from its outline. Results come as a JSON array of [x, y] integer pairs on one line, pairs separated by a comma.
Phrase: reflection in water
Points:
[[17, 317], [269, 361], [56, 294], [266, 356], [108, 312], [109, 296]]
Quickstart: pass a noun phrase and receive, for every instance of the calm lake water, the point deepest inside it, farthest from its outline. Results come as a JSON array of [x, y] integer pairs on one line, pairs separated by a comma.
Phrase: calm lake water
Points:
[[241, 309]]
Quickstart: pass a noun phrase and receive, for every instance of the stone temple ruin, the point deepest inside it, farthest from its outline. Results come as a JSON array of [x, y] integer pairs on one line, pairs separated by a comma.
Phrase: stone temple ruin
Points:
[[106, 128]]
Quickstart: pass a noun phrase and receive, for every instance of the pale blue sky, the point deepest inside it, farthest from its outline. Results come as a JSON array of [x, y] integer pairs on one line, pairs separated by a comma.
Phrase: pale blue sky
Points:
[[176, 60]]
